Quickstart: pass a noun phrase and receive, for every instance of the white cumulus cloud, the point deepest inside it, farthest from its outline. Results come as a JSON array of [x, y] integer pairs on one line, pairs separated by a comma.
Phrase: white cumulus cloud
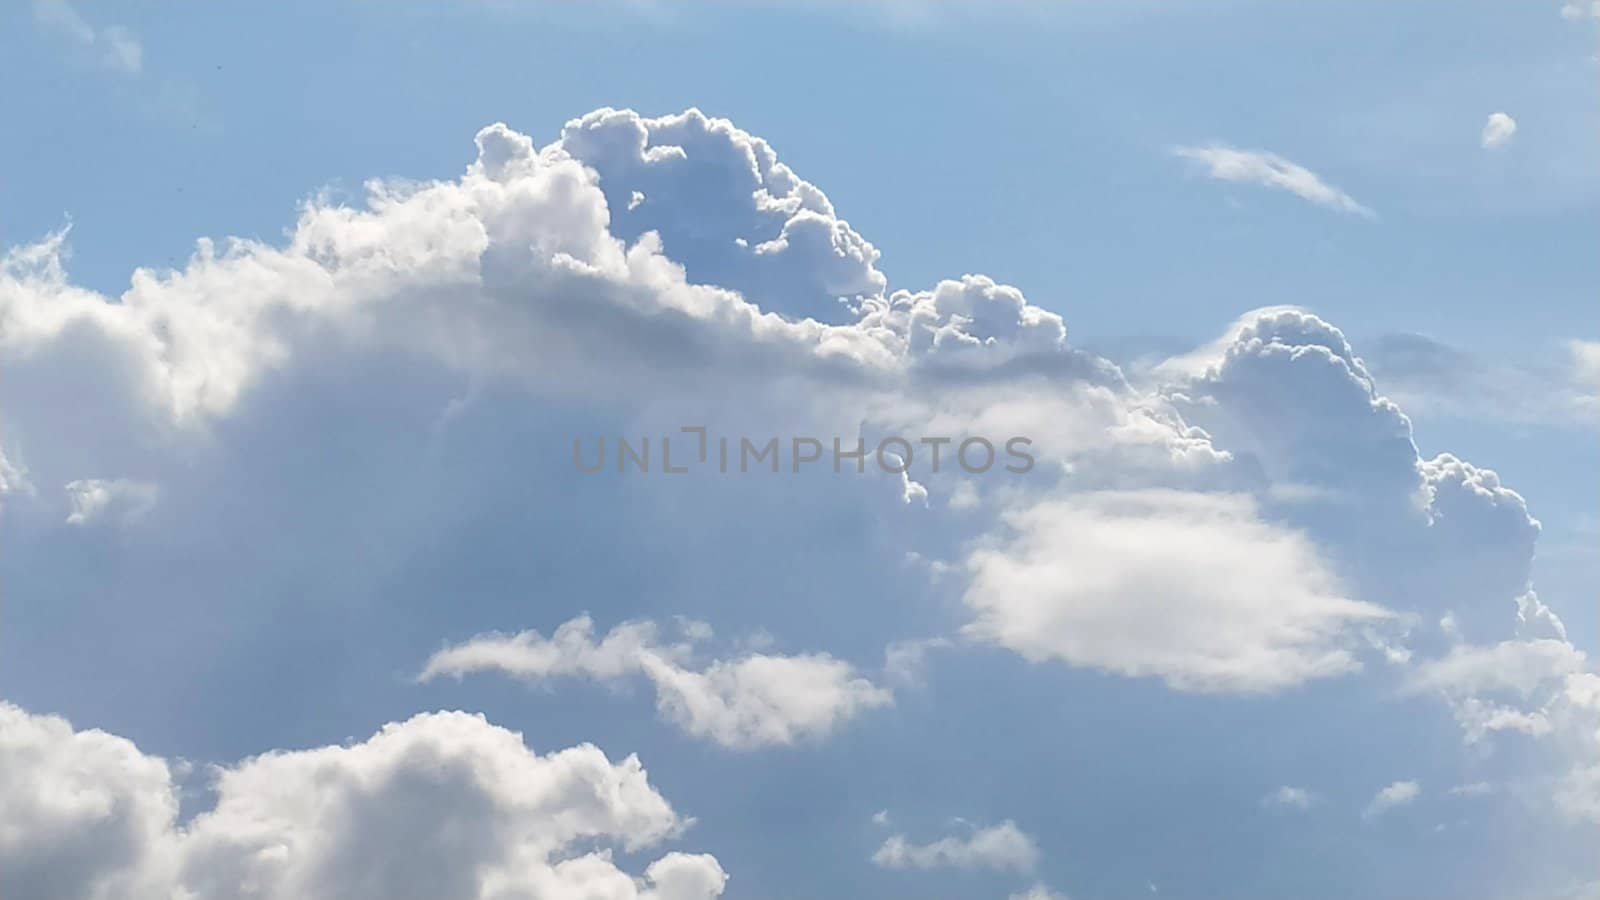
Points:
[[440, 805]]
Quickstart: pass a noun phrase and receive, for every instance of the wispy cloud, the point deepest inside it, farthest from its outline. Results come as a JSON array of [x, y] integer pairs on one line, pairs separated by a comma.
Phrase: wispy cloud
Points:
[[1260, 167], [1430, 378], [1577, 10], [111, 47]]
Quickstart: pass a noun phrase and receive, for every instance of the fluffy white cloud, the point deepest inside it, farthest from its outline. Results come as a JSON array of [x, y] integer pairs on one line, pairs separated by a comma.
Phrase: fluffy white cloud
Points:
[[1192, 588], [1270, 170], [83, 814], [1498, 130], [1398, 794], [1003, 846], [516, 271], [1247, 518], [441, 805], [753, 701]]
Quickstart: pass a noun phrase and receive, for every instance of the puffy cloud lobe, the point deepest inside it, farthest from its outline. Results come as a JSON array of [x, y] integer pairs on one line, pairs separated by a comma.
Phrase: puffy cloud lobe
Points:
[[1192, 588], [719, 196], [1270, 170], [484, 274], [442, 805], [82, 813], [752, 701], [1003, 846], [1286, 388], [1285, 394]]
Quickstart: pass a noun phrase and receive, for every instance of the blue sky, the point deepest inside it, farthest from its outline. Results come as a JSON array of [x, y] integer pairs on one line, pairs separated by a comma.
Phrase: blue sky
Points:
[[1304, 335]]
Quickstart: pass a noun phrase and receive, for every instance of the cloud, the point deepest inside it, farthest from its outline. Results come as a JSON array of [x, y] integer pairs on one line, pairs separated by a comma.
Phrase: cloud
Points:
[[1585, 368], [1192, 588], [1517, 667], [906, 662], [1042, 892], [339, 424], [1540, 688], [1579, 10], [440, 805], [1289, 399], [1429, 377], [1003, 847], [1498, 130], [112, 47], [1287, 797], [753, 701], [1270, 170], [95, 499], [1396, 795]]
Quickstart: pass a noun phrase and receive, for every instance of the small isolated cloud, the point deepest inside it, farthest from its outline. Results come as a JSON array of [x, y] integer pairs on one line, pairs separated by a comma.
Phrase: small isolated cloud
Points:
[[1270, 170], [753, 701], [1401, 793], [1287, 797], [1004, 847], [1498, 130], [96, 499], [112, 47]]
